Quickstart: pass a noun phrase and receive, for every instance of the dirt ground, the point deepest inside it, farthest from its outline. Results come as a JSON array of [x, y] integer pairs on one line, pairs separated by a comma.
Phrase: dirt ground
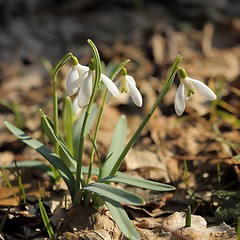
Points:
[[34, 35]]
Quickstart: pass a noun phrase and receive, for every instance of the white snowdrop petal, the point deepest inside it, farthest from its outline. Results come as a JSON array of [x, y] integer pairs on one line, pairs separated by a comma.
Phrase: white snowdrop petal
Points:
[[179, 102], [110, 85], [131, 79], [109, 95], [85, 92], [76, 108], [204, 89], [135, 94], [82, 70], [72, 81]]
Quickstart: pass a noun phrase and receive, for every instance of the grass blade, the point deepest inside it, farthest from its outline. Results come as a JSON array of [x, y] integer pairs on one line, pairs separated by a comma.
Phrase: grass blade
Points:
[[46, 221]]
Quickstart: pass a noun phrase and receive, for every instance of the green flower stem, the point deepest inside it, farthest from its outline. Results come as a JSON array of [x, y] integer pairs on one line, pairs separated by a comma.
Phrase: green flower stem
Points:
[[95, 136], [113, 75], [166, 87], [97, 67], [64, 60]]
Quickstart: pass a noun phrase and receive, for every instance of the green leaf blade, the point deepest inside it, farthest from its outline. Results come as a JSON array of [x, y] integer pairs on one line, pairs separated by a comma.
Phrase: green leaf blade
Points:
[[121, 218], [138, 182], [116, 147], [63, 151], [77, 127], [57, 162], [46, 221], [115, 193]]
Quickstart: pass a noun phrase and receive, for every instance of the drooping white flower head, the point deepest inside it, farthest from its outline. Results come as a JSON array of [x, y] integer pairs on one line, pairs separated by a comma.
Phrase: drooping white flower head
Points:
[[187, 88], [75, 77], [80, 78], [127, 84]]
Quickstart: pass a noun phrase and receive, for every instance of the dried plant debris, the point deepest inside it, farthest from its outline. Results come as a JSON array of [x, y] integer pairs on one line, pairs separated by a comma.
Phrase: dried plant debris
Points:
[[173, 227]]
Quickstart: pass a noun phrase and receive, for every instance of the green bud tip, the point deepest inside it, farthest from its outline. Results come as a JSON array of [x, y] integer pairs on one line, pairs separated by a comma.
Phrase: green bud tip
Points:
[[124, 71], [182, 73], [74, 61], [91, 64]]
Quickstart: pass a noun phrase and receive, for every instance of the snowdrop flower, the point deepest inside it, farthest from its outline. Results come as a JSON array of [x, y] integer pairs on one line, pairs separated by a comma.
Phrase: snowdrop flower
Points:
[[75, 77], [80, 78], [127, 84], [187, 88]]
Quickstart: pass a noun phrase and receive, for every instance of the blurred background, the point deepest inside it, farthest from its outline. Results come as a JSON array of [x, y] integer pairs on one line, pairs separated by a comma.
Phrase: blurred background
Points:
[[35, 34]]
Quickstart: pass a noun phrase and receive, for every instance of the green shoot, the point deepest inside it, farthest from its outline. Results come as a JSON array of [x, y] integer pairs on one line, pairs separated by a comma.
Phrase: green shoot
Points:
[[42, 193], [20, 185], [46, 221], [188, 220], [9, 184], [14, 107]]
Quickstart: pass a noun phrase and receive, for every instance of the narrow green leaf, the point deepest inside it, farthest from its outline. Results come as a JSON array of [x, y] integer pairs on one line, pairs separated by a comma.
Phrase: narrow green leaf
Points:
[[15, 108], [32, 164], [46, 221], [115, 193], [116, 147], [77, 127], [121, 218], [138, 182], [37, 164], [57, 162], [63, 151], [20, 185], [68, 123]]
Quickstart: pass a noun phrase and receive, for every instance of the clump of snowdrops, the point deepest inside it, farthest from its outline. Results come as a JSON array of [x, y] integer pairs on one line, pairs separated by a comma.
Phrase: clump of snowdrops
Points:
[[83, 83]]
